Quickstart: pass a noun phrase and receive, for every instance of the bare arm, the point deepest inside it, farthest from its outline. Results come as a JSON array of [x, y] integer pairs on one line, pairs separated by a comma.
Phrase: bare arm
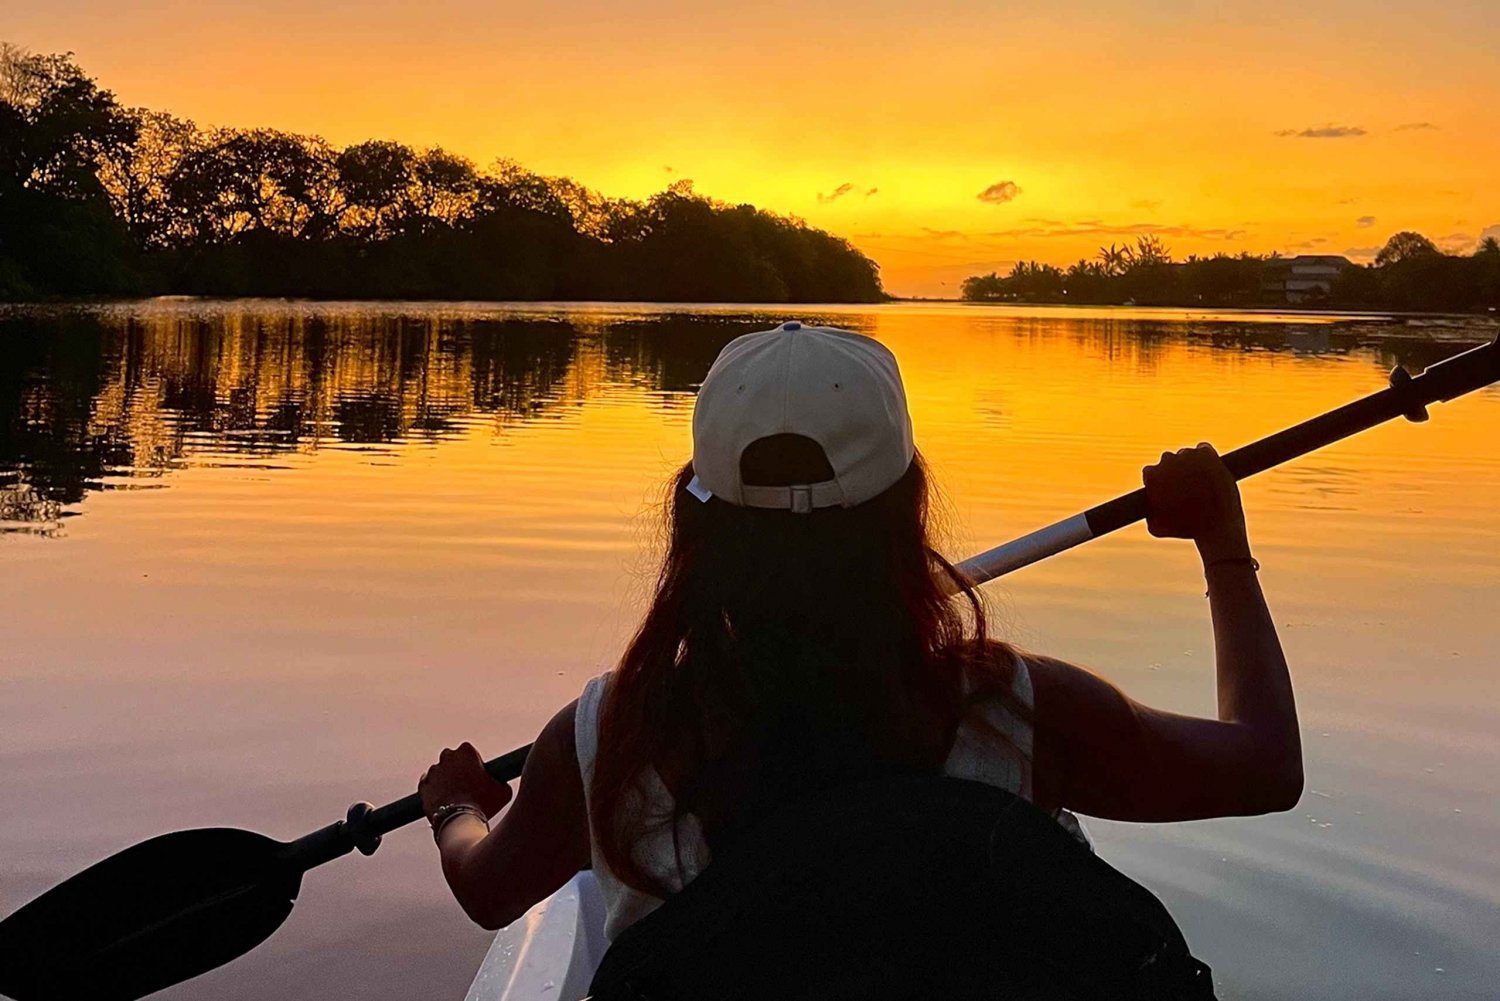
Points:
[[1102, 753], [1255, 687], [536, 846]]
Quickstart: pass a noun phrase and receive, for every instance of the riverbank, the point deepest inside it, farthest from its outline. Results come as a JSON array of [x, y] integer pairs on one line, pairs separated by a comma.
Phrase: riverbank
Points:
[[1476, 322], [1358, 325]]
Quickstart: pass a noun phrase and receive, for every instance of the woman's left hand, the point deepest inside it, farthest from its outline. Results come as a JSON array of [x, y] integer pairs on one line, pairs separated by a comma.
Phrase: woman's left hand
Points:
[[459, 777]]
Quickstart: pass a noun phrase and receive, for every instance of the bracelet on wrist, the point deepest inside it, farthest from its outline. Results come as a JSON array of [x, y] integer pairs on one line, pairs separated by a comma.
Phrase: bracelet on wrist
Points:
[[444, 814], [1245, 561], [1230, 561]]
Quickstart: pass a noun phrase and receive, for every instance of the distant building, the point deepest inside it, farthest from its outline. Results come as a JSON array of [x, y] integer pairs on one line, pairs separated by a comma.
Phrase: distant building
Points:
[[1302, 278]]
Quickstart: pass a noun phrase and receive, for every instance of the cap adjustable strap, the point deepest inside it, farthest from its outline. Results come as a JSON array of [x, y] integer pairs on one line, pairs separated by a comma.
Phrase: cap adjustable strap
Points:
[[800, 499]]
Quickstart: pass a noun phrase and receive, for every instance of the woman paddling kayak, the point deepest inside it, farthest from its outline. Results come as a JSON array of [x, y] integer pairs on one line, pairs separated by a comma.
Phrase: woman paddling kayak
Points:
[[804, 636]]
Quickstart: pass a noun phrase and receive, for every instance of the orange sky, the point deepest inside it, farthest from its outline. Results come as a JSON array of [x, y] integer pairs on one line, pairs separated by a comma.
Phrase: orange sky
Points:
[[1107, 118]]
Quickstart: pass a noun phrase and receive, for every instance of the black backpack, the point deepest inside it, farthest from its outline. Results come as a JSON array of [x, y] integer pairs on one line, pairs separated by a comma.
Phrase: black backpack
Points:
[[915, 888]]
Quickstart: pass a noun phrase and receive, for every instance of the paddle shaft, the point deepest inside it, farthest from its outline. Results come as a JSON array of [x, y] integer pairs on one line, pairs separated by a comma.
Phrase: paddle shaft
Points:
[[1405, 397], [341, 838]]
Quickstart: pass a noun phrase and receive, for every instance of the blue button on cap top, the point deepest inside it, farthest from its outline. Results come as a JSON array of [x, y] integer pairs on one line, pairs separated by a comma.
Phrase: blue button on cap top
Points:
[[793, 325]]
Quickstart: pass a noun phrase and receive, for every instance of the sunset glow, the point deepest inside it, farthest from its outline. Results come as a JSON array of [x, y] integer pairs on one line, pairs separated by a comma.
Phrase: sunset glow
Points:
[[1283, 127]]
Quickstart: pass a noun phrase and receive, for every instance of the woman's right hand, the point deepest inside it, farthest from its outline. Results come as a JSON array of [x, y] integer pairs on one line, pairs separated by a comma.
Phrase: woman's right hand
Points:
[[1190, 494]]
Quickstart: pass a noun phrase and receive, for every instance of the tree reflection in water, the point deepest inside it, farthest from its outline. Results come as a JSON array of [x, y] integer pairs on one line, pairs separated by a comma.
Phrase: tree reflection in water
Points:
[[92, 401], [114, 397]]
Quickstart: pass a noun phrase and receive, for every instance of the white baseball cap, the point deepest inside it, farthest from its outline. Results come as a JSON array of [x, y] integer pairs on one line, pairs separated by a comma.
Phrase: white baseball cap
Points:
[[841, 389]]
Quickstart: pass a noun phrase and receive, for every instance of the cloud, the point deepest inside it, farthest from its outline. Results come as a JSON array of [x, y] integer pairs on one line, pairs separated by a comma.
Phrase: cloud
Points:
[[1047, 228], [1146, 204], [1490, 231], [1000, 192], [1415, 127], [1316, 241], [838, 192], [1456, 243], [847, 188], [943, 234], [1361, 253], [1365, 221], [1329, 131]]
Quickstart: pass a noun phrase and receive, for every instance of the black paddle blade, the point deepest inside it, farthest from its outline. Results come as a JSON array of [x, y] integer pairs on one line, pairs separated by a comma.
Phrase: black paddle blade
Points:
[[148, 917]]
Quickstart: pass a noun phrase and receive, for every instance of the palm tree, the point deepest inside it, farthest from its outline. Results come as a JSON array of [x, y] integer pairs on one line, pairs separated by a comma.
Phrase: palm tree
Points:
[[1150, 251], [1114, 259]]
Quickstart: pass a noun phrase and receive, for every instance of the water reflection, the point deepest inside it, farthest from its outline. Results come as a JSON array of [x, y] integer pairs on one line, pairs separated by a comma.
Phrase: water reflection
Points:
[[87, 403], [115, 397]]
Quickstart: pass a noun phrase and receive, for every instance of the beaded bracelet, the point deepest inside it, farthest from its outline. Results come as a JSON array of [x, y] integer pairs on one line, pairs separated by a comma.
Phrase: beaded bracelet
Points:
[[445, 813]]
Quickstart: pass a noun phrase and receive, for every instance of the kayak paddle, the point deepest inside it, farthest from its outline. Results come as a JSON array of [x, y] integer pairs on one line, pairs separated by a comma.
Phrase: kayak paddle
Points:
[[180, 904], [184, 903], [1405, 397]]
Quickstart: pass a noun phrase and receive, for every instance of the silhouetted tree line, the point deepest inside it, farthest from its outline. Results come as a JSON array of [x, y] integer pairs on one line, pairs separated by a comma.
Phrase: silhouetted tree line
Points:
[[96, 198], [1408, 274]]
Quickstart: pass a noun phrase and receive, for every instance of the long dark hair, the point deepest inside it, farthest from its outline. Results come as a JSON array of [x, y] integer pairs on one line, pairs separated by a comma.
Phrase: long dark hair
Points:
[[787, 653]]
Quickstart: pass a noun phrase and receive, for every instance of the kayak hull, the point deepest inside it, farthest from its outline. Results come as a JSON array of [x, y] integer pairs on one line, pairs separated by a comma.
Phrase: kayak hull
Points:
[[551, 953]]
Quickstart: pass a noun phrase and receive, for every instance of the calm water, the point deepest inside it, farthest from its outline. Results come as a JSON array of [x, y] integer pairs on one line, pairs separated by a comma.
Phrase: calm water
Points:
[[259, 560]]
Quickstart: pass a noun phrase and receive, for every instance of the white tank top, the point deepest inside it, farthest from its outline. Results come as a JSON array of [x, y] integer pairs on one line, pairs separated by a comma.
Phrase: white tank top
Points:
[[993, 745]]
